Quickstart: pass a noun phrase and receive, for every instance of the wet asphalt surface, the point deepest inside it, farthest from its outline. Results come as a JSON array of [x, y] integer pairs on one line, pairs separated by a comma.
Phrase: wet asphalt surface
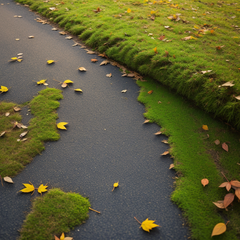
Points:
[[106, 140]]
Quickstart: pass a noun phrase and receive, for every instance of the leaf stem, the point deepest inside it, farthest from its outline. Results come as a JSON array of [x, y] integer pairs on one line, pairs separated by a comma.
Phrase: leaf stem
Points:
[[227, 223], [94, 210], [137, 221], [224, 176], [1, 180]]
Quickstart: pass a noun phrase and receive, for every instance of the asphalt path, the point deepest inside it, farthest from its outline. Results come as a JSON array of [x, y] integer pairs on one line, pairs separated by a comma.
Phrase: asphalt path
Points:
[[106, 140]]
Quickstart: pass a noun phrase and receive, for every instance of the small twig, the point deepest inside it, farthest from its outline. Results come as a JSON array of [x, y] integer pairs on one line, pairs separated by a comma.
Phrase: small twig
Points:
[[224, 176], [94, 210], [227, 223], [137, 221], [57, 81]]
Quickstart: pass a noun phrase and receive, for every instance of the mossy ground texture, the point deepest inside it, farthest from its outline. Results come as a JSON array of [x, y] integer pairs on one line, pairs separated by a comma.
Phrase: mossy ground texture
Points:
[[42, 127], [148, 36], [54, 213]]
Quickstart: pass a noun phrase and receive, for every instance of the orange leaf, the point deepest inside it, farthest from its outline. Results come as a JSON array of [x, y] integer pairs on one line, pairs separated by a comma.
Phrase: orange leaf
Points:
[[150, 92], [223, 184], [205, 181], [165, 153], [219, 229], [237, 193], [225, 147], [228, 187], [94, 60], [235, 183], [205, 127], [228, 199], [56, 238], [155, 50]]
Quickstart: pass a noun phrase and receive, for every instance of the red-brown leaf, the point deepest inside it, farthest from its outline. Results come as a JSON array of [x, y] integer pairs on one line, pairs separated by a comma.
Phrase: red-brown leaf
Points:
[[223, 184], [235, 183], [205, 181], [228, 199], [225, 147]]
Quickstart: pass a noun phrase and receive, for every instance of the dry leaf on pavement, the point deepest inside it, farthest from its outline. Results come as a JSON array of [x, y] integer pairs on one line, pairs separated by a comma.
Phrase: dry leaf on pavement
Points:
[[8, 179]]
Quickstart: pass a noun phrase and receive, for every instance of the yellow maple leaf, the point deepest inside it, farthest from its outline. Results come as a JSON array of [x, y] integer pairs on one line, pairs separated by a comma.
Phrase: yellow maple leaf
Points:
[[28, 188], [129, 10], [205, 127], [148, 225], [42, 188], [61, 125], [50, 61], [41, 81], [3, 89], [78, 90], [68, 81], [14, 59]]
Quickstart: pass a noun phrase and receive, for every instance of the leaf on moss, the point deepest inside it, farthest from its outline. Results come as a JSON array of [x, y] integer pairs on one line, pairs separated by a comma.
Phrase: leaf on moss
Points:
[[205, 127], [219, 229], [235, 183], [155, 50], [129, 10], [238, 97], [227, 84], [17, 109], [217, 142], [189, 38], [225, 147], [237, 193], [2, 133], [228, 199], [219, 204], [150, 92], [148, 225], [205, 181]]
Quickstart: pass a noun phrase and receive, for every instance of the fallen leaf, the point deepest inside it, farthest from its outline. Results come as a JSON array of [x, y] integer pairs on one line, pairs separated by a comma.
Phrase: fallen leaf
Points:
[[94, 60], [158, 133], [30, 37], [225, 147], [41, 81], [115, 185], [78, 90], [227, 84], [8, 179], [205, 127], [17, 109], [165, 141], [237, 193], [219, 204], [150, 92], [68, 81], [155, 50], [23, 134], [228, 199], [146, 121], [68, 238], [64, 85], [129, 10], [50, 62], [28, 188], [171, 166], [90, 52], [109, 75], [54, 29], [161, 37], [219, 47], [165, 153], [68, 38], [62, 33], [2, 133], [217, 142], [42, 188], [3, 89], [205, 181], [148, 225], [189, 38], [61, 125], [7, 114], [124, 91], [104, 62], [235, 183], [56, 238], [227, 185], [219, 229], [82, 69], [207, 71], [62, 236], [238, 97]]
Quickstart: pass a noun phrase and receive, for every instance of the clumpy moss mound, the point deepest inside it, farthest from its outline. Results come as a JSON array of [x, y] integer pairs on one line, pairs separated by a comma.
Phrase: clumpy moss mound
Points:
[[196, 43], [54, 213], [42, 127]]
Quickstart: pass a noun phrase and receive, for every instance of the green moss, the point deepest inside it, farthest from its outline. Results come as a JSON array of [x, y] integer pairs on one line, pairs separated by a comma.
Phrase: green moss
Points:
[[54, 213]]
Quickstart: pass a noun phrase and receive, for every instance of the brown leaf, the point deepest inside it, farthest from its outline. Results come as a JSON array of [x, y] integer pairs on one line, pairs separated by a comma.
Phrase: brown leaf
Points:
[[104, 62], [238, 97], [217, 142], [225, 147], [64, 85], [161, 37], [228, 199], [82, 69], [94, 60], [8, 179], [62, 33], [102, 55], [165, 153], [237, 193], [224, 184], [228, 187], [56, 238], [235, 183], [146, 121], [219, 204], [90, 52], [171, 166], [109, 75], [205, 127], [2, 133], [23, 134], [158, 133], [17, 109], [165, 141], [205, 181], [131, 75], [7, 114]]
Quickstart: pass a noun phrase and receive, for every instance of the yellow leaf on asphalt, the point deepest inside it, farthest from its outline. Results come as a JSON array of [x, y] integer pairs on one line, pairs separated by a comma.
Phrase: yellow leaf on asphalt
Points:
[[205, 127], [42, 188], [3, 89], [115, 185], [68, 81], [78, 90], [50, 61], [61, 125], [148, 225], [41, 81], [28, 188], [219, 229]]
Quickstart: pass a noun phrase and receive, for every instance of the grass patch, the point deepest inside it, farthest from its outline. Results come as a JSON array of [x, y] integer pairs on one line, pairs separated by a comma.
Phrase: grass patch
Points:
[[128, 31], [196, 157], [16, 154], [54, 213]]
